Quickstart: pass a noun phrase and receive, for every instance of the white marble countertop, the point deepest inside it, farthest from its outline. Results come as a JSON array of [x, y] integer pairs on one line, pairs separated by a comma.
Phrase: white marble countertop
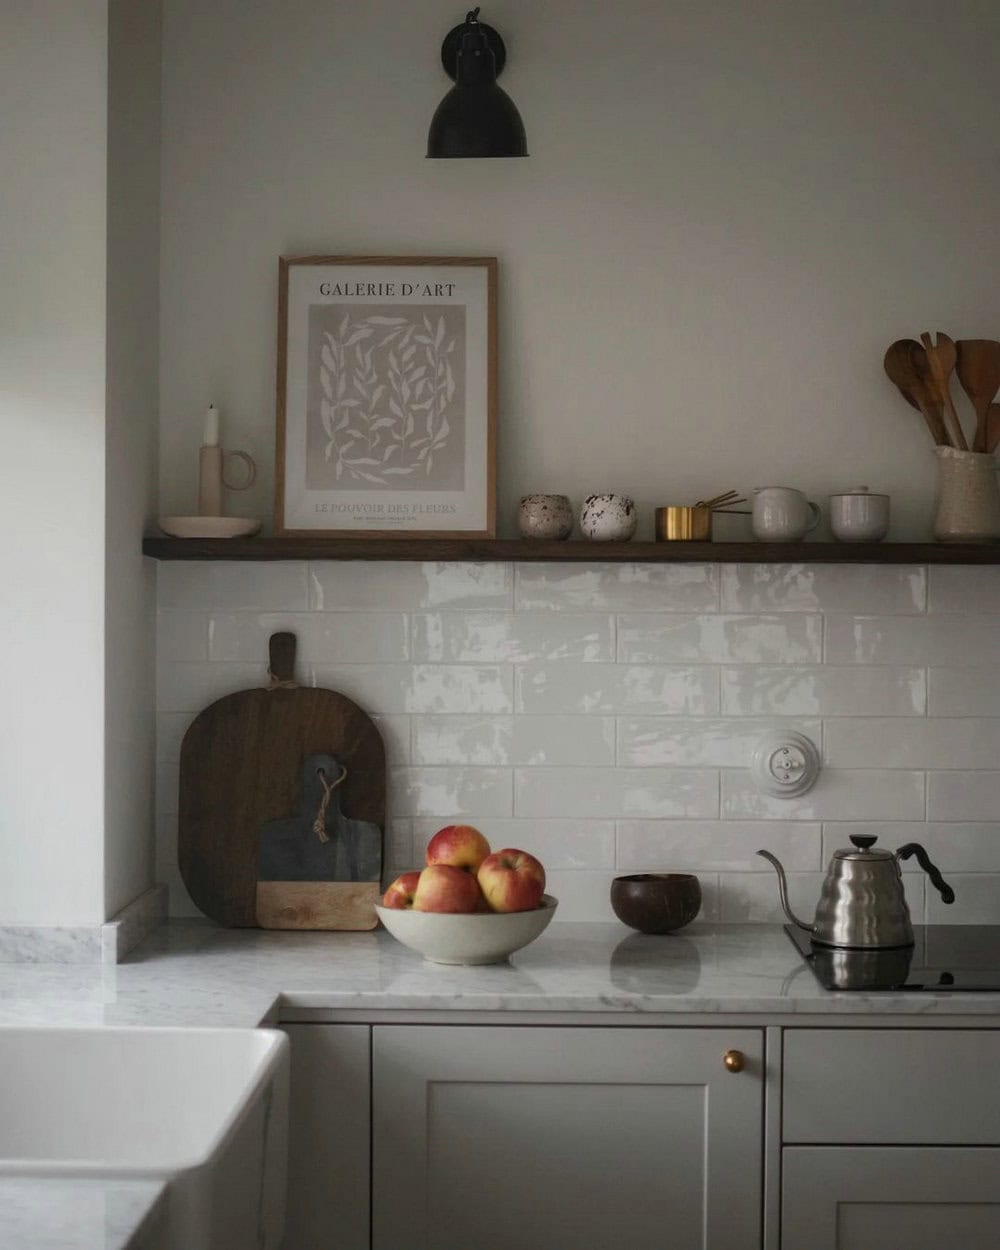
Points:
[[56, 1213], [193, 972]]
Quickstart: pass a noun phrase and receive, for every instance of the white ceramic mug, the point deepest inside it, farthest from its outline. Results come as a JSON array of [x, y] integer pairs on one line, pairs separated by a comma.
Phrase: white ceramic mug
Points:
[[857, 516], [781, 514]]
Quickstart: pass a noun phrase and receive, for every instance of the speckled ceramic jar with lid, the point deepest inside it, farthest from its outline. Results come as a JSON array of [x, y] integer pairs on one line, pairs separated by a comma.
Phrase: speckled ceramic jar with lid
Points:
[[608, 518], [545, 516]]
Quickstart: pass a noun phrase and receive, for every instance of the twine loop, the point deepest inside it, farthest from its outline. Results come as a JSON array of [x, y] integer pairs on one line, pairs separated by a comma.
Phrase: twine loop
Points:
[[319, 824]]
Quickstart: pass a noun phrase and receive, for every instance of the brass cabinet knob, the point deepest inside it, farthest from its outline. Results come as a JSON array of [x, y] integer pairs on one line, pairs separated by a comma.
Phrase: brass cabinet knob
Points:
[[734, 1060]]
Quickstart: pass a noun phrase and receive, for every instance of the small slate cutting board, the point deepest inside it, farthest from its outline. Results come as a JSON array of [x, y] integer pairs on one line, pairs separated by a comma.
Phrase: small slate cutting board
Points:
[[253, 768]]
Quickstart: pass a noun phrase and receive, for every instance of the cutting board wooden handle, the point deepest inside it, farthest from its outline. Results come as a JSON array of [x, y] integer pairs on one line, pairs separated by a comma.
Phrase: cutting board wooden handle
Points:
[[281, 648]]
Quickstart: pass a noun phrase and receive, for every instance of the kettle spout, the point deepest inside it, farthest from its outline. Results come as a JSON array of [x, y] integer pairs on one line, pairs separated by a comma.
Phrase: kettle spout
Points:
[[783, 890]]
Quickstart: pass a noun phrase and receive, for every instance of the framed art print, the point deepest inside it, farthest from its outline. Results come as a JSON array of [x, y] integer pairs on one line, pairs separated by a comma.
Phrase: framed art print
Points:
[[386, 397]]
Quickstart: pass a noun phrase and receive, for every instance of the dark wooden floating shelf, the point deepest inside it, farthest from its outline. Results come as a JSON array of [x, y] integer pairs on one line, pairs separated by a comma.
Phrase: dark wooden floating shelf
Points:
[[443, 549]]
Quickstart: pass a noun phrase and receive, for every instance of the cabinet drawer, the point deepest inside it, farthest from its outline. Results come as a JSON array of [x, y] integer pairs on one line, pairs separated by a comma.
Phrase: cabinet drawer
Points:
[[891, 1086]]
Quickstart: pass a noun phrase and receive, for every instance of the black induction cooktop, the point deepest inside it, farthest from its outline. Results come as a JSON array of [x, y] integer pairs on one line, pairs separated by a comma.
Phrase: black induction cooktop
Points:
[[963, 958]]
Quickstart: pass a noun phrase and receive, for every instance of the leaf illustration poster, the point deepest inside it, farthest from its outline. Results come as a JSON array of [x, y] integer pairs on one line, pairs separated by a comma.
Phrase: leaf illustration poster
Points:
[[386, 397]]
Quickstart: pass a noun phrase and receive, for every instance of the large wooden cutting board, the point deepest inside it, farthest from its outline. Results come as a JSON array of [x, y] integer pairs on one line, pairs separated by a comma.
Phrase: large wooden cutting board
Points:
[[254, 770]]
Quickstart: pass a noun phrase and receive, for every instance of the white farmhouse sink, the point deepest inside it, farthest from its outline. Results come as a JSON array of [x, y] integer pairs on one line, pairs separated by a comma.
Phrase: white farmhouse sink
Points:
[[206, 1109]]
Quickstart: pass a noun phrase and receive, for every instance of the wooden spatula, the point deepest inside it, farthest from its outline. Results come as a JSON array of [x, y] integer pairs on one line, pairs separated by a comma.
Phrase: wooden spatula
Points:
[[901, 364], [993, 428], [978, 369], [941, 357]]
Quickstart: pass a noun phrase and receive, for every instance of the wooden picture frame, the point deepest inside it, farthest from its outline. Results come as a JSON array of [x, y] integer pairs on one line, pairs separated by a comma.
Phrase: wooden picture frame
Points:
[[386, 397]]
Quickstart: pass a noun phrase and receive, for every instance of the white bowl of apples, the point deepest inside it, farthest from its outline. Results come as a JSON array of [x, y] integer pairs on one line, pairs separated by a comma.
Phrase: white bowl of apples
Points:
[[469, 905]]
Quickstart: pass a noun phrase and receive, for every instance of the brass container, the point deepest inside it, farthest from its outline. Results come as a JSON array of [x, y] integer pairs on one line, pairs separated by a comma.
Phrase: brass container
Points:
[[684, 525]]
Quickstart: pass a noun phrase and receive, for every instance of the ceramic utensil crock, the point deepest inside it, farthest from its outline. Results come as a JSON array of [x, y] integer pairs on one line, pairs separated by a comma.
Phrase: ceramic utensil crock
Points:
[[969, 502], [782, 514], [858, 516], [862, 904]]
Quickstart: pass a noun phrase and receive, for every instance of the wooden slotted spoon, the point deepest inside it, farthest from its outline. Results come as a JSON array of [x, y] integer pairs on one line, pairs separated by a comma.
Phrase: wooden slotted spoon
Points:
[[901, 364], [978, 369], [941, 357]]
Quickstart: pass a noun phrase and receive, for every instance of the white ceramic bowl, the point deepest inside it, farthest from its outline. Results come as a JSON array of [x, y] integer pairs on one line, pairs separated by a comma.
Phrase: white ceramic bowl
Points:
[[481, 938]]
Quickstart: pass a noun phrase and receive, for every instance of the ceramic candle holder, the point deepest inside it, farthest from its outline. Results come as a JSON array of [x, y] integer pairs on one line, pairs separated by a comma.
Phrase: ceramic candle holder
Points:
[[608, 518], [545, 516]]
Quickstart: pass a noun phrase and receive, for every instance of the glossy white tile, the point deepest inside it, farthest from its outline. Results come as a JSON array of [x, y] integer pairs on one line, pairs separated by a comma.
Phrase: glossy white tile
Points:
[[609, 688], [231, 585], [794, 690], [958, 847], [583, 896], [395, 731], [559, 844], [963, 691], [875, 589], [397, 849], [750, 898], [191, 687], [452, 793], [938, 639], [612, 792], [657, 741], [181, 635], [707, 639], [839, 794], [912, 742], [511, 637], [964, 588], [977, 900], [715, 845], [509, 740], [617, 587], [321, 637], [963, 795], [390, 586], [388, 688]]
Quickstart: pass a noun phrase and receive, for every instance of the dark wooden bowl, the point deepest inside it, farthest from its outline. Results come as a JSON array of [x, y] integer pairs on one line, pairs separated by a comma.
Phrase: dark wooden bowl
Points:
[[656, 902]]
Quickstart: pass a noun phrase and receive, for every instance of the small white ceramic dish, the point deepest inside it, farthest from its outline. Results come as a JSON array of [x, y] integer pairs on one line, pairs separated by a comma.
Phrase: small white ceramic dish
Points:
[[480, 938], [209, 526]]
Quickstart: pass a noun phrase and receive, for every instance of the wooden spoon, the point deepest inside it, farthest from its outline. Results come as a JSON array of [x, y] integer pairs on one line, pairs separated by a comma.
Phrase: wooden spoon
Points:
[[941, 357], [993, 428], [978, 368], [901, 364]]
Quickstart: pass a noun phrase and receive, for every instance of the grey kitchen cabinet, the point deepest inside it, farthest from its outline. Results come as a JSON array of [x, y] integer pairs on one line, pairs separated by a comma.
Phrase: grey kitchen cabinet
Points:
[[585, 1137], [329, 1138], [884, 1197]]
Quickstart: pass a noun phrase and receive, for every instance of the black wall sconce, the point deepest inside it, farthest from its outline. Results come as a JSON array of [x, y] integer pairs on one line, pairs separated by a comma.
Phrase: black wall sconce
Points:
[[476, 118]]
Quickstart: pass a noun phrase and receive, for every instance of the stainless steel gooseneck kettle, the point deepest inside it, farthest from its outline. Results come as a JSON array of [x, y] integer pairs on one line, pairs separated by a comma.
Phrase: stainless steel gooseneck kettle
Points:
[[862, 904]]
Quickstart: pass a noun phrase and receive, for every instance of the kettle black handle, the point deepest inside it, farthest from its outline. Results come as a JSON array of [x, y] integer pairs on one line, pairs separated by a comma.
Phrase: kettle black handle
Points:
[[923, 859]]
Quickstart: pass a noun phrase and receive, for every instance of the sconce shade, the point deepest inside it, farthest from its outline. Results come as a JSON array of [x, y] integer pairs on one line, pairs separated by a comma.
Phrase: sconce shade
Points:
[[477, 118]]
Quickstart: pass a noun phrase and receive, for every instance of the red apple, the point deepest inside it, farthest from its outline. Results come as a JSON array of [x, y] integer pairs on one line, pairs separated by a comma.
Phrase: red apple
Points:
[[460, 846], [511, 880], [400, 894], [443, 887]]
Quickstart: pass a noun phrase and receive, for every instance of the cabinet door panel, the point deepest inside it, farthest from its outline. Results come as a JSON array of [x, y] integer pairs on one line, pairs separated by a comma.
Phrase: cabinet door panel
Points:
[[540, 1137], [874, 1198], [329, 1138]]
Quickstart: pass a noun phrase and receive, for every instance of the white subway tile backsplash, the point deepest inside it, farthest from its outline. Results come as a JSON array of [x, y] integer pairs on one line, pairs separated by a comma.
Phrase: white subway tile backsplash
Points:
[[617, 587], [386, 688], [511, 637], [876, 589], [963, 795], [718, 639], [566, 792], [964, 588], [609, 688], [510, 740], [657, 742], [912, 742], [277, 586], [940, 639], [839, 794], [401, 586], [963, 691], [716, 845], [560, 845], [450, 793], [321, 638], [584, 711], [825, 690]]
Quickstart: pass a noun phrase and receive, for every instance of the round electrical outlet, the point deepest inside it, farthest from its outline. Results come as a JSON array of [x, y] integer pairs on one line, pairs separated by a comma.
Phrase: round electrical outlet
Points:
[[785, 764]]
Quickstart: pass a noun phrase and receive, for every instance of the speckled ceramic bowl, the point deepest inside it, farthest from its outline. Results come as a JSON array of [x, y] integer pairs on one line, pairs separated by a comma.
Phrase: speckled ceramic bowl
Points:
[[608, 518], [656, 902], [480, 938], [545, 516]]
